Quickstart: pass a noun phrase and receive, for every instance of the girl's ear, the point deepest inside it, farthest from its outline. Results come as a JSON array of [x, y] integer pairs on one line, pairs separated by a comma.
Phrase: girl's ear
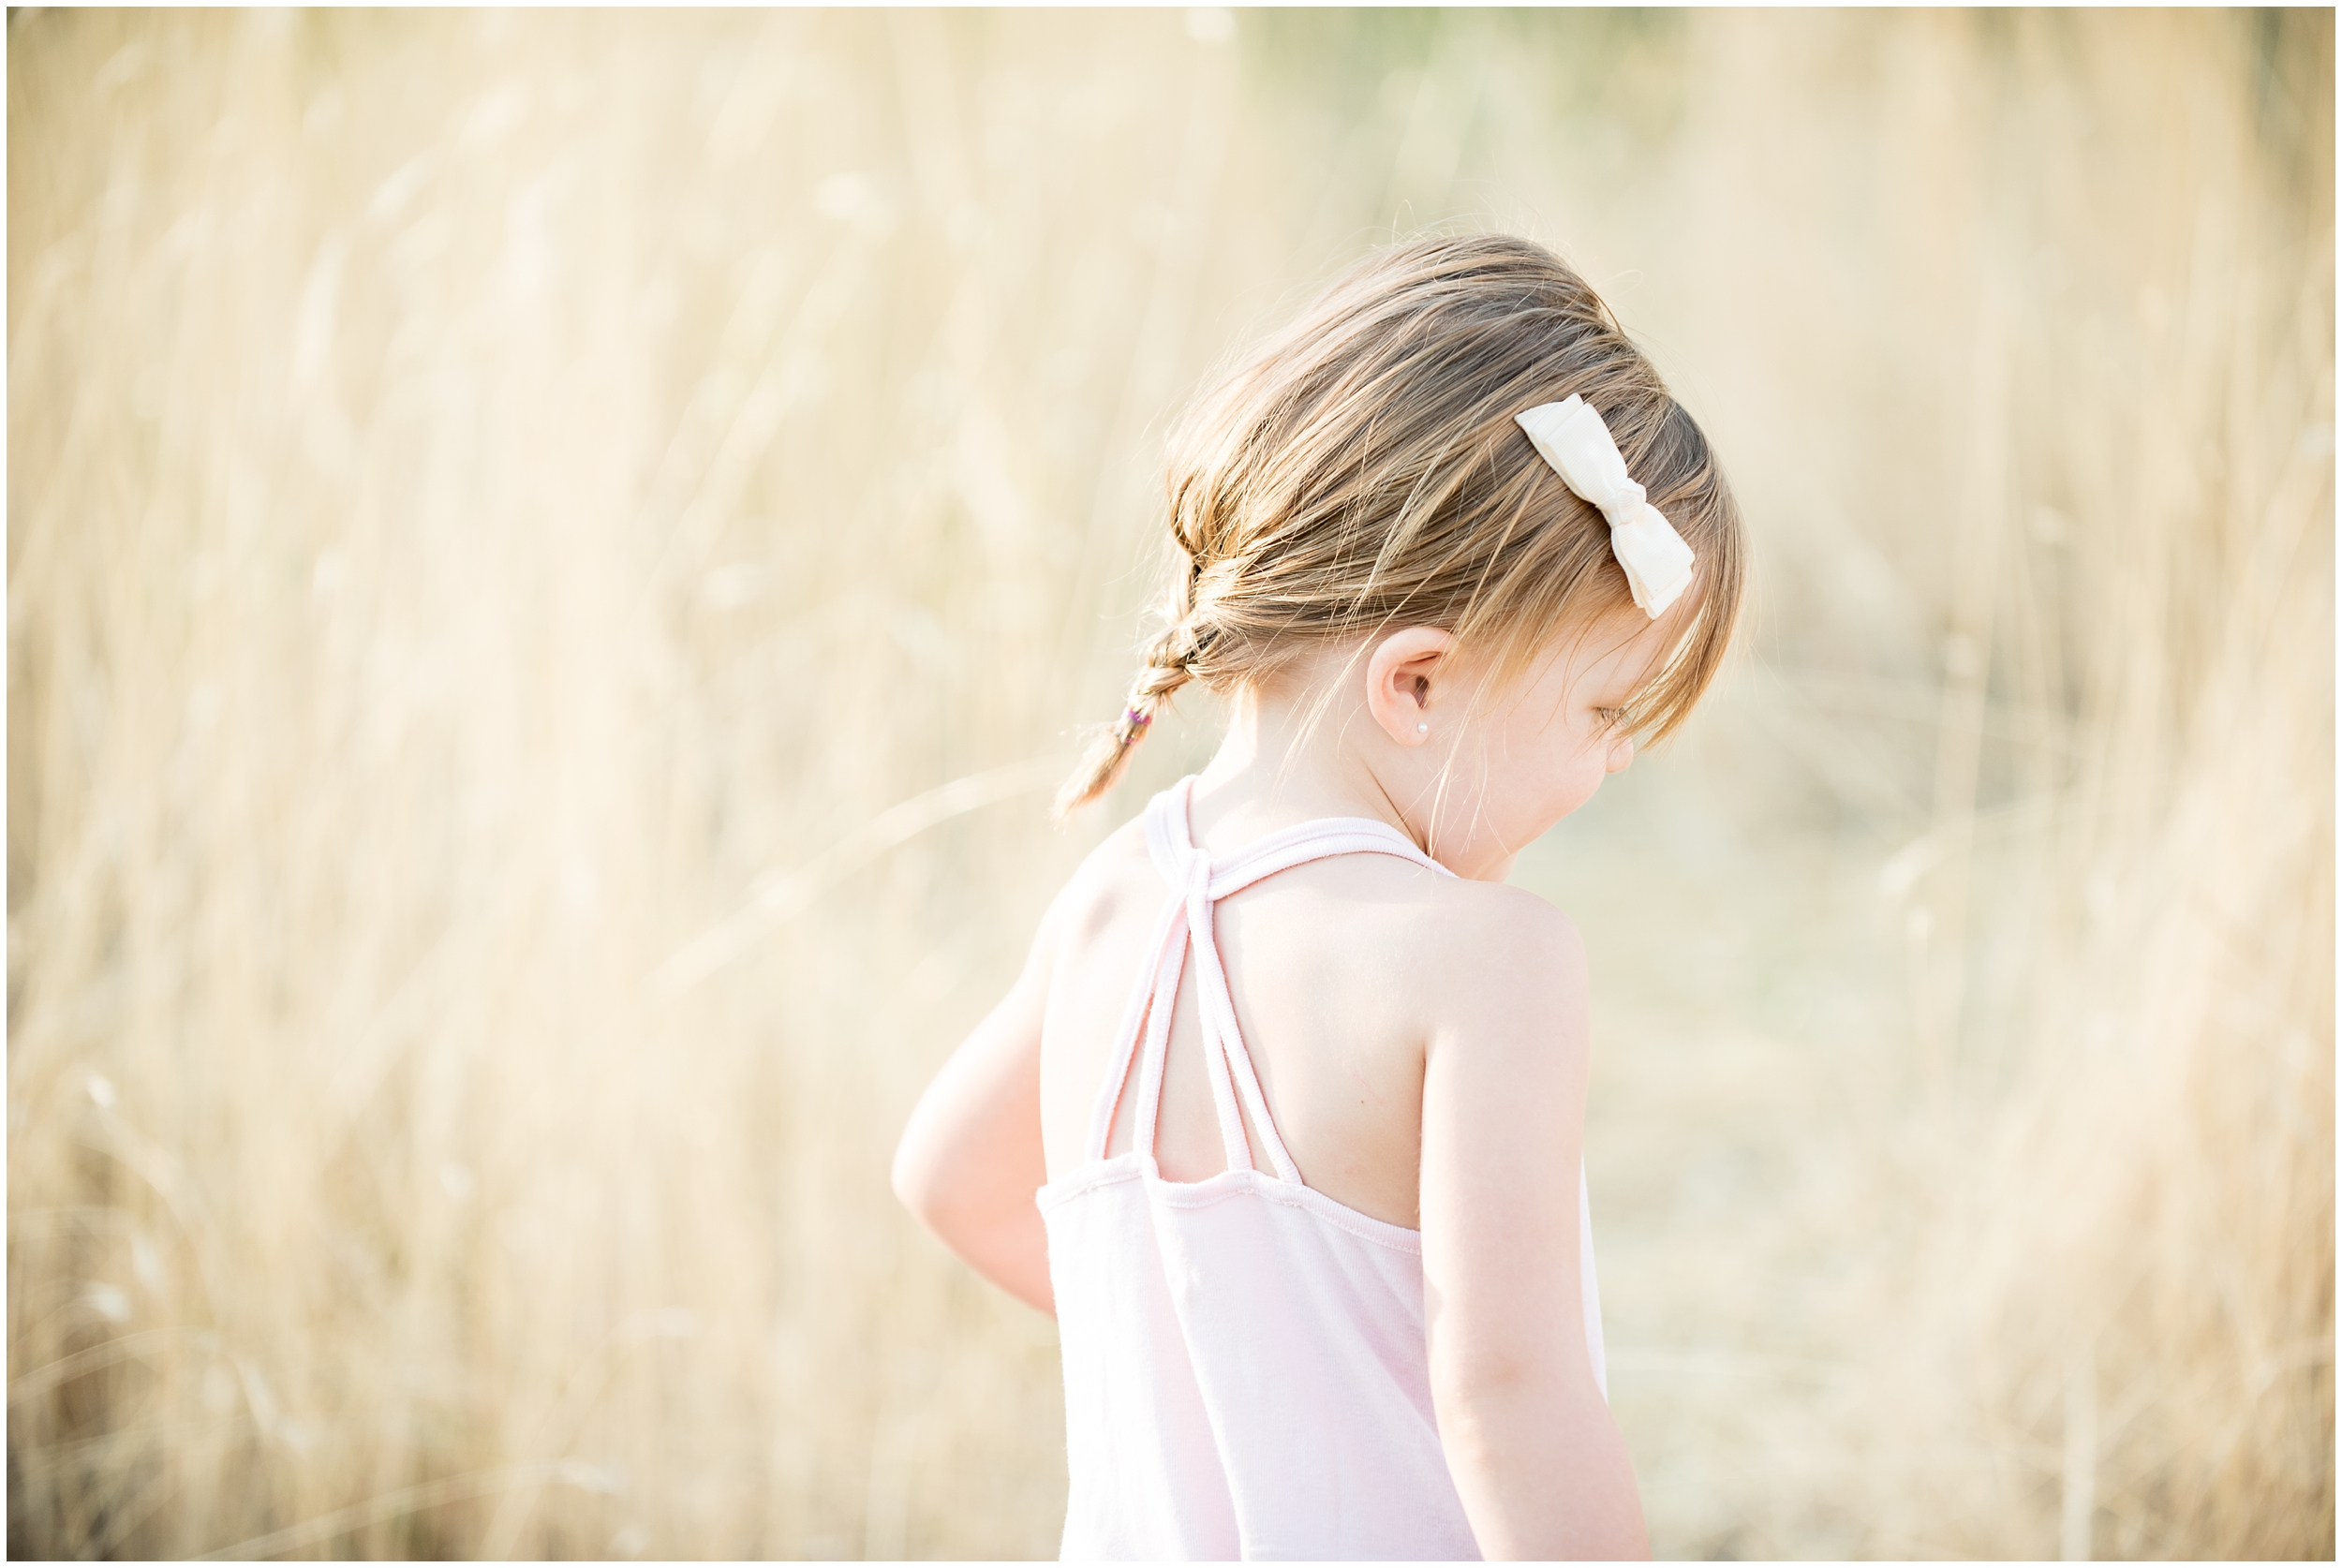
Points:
[[1408, 690]]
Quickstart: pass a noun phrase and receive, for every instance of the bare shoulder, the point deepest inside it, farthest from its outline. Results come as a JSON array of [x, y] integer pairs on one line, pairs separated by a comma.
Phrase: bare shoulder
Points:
[[1491, 957], [1430, 951], [1099, 892], [1112, 880], [1493, 923]]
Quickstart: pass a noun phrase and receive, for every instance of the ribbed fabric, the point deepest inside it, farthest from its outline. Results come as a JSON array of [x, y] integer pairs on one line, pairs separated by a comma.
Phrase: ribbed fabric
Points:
[[1245, 1367]]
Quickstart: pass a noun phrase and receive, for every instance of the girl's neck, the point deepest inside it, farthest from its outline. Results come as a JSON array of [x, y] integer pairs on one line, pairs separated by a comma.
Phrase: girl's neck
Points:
[[1290, 758]]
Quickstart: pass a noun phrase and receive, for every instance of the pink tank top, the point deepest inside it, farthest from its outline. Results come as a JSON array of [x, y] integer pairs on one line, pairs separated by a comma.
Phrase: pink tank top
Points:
[[1245, 1366]]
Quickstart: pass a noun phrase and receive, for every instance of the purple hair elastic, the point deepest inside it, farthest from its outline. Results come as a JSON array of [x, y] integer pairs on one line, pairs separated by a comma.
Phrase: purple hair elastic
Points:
[[1138, 721]]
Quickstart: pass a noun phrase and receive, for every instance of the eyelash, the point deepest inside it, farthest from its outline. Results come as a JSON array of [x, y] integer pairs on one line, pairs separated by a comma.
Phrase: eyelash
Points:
[[1612, 717]]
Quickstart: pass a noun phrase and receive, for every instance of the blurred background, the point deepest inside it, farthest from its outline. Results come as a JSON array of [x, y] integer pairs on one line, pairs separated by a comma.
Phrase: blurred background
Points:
[[554, 558]]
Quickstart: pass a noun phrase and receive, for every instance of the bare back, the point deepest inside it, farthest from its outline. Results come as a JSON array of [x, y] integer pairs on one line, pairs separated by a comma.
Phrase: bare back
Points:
[[1332, 969]]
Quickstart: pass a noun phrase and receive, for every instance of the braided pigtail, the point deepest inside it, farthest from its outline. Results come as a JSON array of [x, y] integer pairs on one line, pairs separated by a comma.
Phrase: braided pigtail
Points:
[[1164, 671]]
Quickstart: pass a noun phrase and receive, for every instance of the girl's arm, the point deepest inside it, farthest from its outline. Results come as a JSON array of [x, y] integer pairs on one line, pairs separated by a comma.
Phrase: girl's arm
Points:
[[970, 1158], [1535, 1455]]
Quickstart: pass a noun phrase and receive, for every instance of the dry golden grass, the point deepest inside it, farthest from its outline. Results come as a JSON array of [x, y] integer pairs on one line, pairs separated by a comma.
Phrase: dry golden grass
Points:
[[553, 558]]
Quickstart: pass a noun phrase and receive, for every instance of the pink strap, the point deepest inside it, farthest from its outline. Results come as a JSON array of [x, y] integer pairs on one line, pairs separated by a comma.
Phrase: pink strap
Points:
[[1196, 886]]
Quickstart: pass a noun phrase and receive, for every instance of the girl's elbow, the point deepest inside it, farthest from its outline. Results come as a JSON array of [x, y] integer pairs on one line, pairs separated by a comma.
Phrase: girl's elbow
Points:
[[1493, 1383], [1462, 1382], [940, 1199], [916, 1182]]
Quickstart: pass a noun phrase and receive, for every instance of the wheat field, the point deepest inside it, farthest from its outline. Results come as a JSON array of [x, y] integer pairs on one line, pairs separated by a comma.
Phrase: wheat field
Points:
[[554, 558]]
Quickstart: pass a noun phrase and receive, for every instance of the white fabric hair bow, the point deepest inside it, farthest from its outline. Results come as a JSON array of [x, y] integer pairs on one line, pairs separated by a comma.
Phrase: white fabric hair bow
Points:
[[1571, 436]]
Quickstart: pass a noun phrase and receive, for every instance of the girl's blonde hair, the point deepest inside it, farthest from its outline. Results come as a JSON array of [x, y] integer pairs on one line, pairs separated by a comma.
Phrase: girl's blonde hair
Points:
[[1361, 470]]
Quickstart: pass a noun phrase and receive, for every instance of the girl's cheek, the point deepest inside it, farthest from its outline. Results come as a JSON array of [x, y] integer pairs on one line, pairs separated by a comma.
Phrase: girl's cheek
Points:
[[1622, 753]]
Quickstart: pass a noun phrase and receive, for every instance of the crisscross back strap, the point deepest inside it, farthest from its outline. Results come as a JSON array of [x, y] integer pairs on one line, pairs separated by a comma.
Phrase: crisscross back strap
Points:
[[1196, 884]]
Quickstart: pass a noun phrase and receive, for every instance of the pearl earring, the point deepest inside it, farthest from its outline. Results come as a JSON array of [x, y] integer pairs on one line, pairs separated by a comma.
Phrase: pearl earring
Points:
[[1423, 729]]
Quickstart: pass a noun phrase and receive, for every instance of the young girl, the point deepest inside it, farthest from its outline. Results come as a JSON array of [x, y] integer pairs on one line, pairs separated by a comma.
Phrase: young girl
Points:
[[1299, 1081]]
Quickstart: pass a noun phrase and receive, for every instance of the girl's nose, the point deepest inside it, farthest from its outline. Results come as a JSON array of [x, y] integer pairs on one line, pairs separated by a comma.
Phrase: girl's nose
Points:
[[1622, 753]]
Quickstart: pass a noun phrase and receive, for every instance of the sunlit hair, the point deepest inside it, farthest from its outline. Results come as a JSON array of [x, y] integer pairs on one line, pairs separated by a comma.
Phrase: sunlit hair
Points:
[[1360, 472]]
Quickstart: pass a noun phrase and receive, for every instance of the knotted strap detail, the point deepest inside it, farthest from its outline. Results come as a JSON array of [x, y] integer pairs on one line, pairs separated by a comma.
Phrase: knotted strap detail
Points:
[[1196, 884]]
